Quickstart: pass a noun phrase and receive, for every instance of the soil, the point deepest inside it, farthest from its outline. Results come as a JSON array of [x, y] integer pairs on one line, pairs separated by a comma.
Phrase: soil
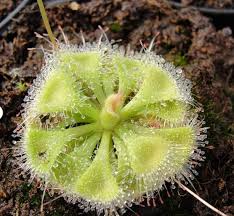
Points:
[[184, 37], [209, 3]]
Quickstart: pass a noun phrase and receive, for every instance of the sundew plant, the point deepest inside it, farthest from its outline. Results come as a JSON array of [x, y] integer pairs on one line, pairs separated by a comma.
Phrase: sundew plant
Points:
[[106, 126]]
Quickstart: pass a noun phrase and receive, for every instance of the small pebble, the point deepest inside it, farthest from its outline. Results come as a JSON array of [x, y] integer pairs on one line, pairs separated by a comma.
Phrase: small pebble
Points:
[[227, 31], [74, 6]]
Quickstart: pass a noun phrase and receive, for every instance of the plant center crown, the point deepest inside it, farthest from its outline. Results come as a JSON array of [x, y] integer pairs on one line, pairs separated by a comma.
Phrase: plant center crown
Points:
[[110, 114]]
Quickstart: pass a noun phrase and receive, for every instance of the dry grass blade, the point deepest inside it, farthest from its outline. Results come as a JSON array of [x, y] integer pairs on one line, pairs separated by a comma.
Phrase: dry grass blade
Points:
[[200, 199]]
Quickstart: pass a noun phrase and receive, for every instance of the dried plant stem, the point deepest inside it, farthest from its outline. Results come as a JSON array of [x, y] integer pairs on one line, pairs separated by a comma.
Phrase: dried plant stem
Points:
[[42, 199], [200, 199], [46, 22], [47, 203]]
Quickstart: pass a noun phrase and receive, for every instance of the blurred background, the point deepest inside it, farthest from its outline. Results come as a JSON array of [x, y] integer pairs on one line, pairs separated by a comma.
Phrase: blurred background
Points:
[[196, 35]]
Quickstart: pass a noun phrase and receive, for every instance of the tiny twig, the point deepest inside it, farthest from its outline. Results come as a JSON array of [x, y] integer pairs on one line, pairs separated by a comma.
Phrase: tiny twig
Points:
[[104, 33], [64, 36], [13, 13], [54, 3], [42, 199], [53, 200], [200, 199]]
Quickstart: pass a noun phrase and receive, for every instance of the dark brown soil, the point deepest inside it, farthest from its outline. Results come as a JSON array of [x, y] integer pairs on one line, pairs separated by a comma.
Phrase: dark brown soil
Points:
[[209, 3], [185, 37]]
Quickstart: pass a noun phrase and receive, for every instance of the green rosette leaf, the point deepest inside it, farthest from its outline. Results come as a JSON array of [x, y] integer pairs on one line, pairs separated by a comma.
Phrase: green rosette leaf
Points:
[[107, 128]]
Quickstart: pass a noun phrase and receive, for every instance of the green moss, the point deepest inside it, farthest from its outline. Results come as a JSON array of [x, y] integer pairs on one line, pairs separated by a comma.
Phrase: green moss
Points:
[[21, 86], [115, 27], [180, 60], [35, 200], [25, 189]]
